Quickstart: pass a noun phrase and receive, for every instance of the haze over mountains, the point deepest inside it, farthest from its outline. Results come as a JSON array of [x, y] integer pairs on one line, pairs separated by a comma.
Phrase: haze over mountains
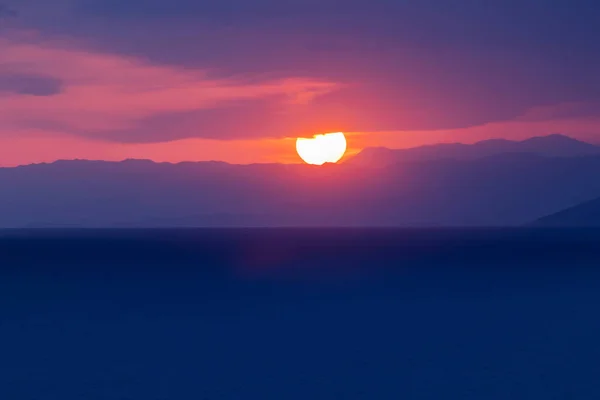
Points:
[[492, 183], [555, 145]]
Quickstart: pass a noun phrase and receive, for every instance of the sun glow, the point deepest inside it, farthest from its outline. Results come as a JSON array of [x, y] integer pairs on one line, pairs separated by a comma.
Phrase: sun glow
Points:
[[321, 149]]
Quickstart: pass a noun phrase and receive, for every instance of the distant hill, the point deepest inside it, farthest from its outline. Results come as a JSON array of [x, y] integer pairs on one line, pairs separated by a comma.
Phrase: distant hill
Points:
[[551, 146], [583, 215], [499, 190]]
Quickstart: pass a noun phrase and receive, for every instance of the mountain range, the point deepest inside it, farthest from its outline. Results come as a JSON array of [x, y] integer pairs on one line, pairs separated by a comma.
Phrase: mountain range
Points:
[[492, 183]]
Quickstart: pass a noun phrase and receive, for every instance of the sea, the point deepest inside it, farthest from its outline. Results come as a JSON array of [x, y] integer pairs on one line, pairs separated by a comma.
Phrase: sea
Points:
[[300, 314]]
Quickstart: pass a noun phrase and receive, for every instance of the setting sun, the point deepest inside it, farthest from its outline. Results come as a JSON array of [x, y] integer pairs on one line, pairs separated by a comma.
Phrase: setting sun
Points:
[[321, 149]]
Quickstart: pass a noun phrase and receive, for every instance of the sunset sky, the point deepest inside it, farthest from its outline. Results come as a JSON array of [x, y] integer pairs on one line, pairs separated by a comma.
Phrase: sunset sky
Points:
[[239, 80]]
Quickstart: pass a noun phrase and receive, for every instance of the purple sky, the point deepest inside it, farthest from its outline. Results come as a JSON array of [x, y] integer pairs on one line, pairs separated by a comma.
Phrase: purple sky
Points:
[[236, 79]]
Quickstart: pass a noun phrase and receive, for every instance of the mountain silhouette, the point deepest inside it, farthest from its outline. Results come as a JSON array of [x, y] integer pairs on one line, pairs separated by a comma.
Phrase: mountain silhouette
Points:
[[586, 214], [555, 145], [499, 190]]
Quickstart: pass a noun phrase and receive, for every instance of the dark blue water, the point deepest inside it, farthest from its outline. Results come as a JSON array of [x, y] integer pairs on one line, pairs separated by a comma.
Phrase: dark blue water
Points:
[[300, 314]]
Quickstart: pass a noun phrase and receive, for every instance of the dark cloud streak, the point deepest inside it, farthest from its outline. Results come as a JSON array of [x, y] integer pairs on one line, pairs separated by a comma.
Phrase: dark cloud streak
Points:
[[29, 84]]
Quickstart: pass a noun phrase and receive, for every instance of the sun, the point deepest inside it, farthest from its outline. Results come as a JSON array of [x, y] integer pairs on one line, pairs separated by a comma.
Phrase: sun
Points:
[[321, 149]]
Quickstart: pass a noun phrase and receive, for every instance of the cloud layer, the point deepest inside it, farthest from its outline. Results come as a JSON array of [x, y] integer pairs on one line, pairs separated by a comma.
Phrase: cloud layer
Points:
[[55, 86]]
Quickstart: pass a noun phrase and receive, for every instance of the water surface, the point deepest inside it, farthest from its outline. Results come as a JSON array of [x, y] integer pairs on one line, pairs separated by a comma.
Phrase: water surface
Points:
[[299, 314]]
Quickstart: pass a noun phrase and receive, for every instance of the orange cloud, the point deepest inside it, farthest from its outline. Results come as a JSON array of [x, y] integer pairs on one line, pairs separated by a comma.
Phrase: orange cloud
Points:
[[102, 92]]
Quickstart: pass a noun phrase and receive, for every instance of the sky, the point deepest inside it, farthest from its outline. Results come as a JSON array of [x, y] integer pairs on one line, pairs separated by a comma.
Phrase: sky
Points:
[[239, 80]]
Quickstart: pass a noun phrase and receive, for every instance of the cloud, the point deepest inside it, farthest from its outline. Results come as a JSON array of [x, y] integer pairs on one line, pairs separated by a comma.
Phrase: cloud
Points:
[[238, 9], [577, 120], [413, 65], [34, 85], [58, 86], [568, 110]]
